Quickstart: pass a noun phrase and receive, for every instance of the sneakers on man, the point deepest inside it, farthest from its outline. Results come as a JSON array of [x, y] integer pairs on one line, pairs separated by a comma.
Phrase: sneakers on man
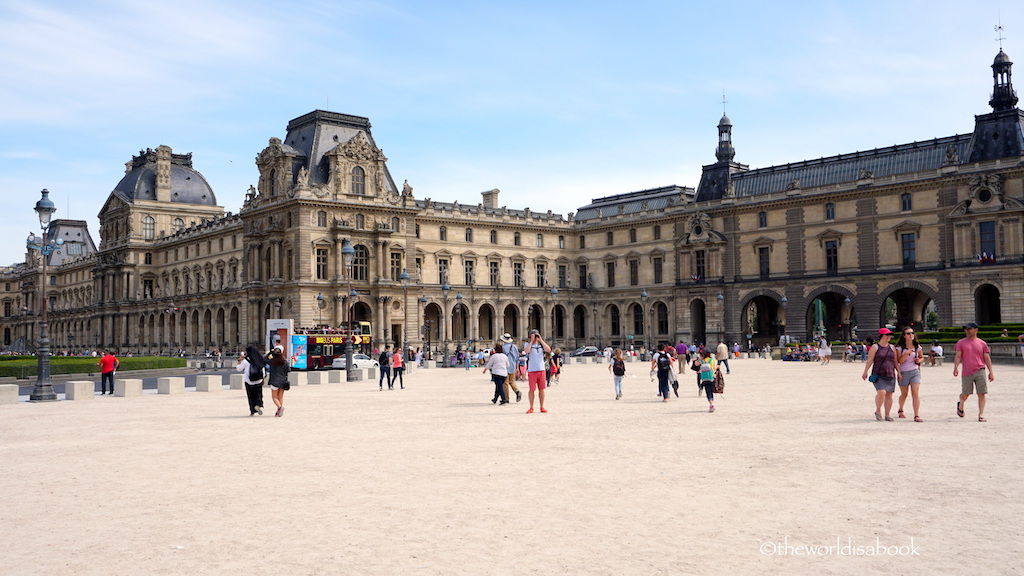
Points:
[[259, 409]]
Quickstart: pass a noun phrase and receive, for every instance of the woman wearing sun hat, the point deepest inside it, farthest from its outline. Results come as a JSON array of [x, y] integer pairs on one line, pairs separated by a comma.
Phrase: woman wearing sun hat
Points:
[[882, 363]]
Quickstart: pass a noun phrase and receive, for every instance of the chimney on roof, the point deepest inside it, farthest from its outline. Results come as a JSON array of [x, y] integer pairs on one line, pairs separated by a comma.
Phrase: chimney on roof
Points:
[[163, 173], [490, 198]]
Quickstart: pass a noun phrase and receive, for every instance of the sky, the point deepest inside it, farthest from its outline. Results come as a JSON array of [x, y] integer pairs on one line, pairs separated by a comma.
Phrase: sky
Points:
[[554, 103]]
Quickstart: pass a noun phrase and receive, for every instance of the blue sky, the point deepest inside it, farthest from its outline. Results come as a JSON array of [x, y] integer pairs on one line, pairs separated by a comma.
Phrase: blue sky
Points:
[[552, 103]]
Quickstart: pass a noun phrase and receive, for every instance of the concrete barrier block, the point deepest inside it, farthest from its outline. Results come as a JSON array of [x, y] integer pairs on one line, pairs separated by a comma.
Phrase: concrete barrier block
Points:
[[358, 374], [335, 376], [126, 387], [298, 378], [372, 374], [598, 360], [208, 383], [316, 377], [80, 390], [431, 363], [8, 393], [938, 360], [236, 381], [170, 385]]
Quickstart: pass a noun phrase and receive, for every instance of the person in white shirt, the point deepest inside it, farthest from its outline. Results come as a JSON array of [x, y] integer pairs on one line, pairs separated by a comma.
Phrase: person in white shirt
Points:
[[935, 352]]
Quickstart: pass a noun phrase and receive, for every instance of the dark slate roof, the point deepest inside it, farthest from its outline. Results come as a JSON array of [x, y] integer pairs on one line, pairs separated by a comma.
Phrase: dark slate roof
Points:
[[77, 241], [899, 159], [633, 202], [187, 185], [314, 134]]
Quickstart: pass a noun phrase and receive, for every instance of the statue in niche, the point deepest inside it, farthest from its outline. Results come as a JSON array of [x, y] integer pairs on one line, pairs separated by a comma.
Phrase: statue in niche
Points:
[[444, 275], [303, 177]]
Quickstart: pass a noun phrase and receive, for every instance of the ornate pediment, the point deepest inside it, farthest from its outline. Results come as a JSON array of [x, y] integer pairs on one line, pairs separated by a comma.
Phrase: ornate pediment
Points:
[[360, 149]]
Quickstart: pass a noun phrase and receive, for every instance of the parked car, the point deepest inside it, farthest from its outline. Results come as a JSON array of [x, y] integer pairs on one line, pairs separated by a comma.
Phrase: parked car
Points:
[[360, 361], [585, 351]]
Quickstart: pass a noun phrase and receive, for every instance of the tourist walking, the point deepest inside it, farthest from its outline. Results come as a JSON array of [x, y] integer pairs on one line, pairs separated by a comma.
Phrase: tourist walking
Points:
[[882, 363], [722, 356], [384, 364], [557, 360], [108, 365], [976, 357], [661, 362], [909, 355], [251, 365], [706, 376], [278, 379], [824, 351], [397, 369], [498, 365], [510, 349], [618, 370], [682, 351], [535, 349]]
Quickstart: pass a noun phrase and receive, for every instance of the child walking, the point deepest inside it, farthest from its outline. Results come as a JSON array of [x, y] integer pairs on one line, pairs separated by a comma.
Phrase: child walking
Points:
[[618, 370]]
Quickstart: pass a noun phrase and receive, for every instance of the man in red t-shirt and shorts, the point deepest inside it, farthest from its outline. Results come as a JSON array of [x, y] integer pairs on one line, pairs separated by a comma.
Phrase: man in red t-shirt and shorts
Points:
[[108, 363], [536, 374], [973, 352]]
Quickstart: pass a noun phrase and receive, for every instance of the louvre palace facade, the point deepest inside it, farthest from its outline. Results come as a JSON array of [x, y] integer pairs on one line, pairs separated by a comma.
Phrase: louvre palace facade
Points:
[[797, 249]]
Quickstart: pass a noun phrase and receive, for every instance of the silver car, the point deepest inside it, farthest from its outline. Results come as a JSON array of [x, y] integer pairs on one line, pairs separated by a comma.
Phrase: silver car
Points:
[[360, 361]]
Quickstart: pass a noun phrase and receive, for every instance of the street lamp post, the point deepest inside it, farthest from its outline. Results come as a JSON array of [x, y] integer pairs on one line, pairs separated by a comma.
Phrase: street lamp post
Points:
[[721, 317], [348, 254], [424, 326], [458, 333], [404, 279], [319, 309], [553, 295], [783, 340], [445, 290], [43, 390], [644, 298]]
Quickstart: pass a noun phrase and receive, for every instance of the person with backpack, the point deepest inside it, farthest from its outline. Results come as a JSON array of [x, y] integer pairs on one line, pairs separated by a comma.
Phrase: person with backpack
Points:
[[618, 370], [278, 378], [662, 362], [384, 363], [706, 374], [509, 348], [251, 365]]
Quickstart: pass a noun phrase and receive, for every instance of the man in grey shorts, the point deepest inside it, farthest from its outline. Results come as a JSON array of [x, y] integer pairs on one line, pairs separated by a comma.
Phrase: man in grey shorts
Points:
[[976, 357]]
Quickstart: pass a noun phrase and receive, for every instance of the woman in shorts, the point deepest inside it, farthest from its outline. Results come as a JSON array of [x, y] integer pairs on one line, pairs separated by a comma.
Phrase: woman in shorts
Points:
[[278, 379], [882, 363], [909, 356]]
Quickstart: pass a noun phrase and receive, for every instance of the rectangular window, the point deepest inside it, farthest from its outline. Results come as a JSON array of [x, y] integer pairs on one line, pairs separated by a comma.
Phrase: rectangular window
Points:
[[831, 257], [541, 276], [583, 276], [762, 219], [698, 265], [763, 262], [906, 202], [321, 263], [287, 263], [610, 238], [909, 242], [610, 272], [540, 240], [469, 267], [148, 258], [634, 273], [517, 274], [396, 266], [657, 232], [988, 238], [657, 270], [632, 235], [147, 288], [830, 211], [583, 241], [563, 273], [442, 270], [493, 273], [561, 242]]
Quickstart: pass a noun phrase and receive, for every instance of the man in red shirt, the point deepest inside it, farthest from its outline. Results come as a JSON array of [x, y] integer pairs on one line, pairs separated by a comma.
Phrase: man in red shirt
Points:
[[973, 352], [108, 363]]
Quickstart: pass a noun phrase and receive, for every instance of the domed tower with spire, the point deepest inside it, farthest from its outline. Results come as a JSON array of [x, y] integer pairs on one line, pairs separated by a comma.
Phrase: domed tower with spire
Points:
[[999, 134], [715, 178]]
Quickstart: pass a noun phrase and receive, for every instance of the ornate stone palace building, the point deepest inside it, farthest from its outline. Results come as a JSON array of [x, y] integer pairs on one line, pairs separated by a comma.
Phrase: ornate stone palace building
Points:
[[799, 248]]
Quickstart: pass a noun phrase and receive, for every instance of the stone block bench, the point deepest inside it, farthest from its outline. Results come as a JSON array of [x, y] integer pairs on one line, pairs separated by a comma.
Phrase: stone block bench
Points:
[[170, 385], [127, 387], [209, 383], [79, 390], [8, 393]]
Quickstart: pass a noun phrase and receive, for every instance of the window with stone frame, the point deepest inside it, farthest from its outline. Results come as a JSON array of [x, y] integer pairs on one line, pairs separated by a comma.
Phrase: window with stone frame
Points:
[[616, 320], [493, 273], [563, 275], [469, 272], [361, 263], [657, 265], [541, 276], [322, 260], [540, 240], [148, 228], [494, 236], [764, 261], [147, 258], [358, 181], [442, 270], [832, 257], [987, 234], [469, 234], [516, 239], [830, 211], [396, 266], [582, 276], [762, 219], [178, 225], [906, 202], [699, 265], [321, 218], [610, 273], [442, 234], [908, 244], [632, 235], [610, 238], [662, 312], [657, 232], [517, 274], [561, 242], [634, 272], [583, 241]]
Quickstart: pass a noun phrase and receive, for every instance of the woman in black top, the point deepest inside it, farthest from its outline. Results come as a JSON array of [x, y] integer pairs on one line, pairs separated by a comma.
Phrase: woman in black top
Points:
[[278, 379]]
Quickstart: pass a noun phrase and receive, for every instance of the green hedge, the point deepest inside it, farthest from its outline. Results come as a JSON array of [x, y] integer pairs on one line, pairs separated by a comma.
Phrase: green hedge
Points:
[[26, 366]]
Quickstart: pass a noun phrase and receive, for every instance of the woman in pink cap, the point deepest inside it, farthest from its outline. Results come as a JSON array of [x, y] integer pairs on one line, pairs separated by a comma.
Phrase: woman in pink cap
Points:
[[882, 362]]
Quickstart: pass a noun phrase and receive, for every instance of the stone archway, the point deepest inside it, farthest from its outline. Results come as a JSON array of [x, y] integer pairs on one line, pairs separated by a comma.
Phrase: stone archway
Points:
[[698, 321], [987, 306], [905, 304], [763, 318]]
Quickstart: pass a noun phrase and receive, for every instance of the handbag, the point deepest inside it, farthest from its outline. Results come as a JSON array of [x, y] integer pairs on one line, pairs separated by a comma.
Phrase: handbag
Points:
[[719, 383], [873, 378]]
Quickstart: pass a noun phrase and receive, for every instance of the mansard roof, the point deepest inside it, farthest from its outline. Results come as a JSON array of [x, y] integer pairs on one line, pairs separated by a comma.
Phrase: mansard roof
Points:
[[899, 159], [187, 184], [635, 202]]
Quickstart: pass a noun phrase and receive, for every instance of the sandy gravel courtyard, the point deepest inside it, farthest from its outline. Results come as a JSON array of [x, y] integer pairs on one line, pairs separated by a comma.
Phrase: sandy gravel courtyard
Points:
[[791, 475]]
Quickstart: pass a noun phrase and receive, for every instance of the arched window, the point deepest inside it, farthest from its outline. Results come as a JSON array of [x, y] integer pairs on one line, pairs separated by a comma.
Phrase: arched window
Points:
[[443, 233], [361, 263], [178, 225], [469, 234], [148, 228], [358, 181], [616, 321]]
